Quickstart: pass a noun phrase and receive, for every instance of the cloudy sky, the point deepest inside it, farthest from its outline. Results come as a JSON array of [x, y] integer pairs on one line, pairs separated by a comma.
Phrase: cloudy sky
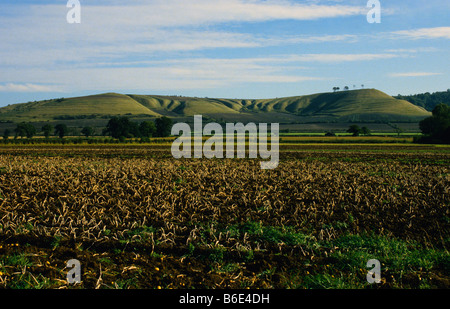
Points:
[[221, 48]]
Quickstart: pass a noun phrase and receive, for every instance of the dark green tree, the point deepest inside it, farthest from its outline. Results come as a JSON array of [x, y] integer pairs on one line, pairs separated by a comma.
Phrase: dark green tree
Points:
[[20, 130], [47, 129], [6, 134], [114, 127], [87, 131], [133, 129], [25, 129], [121, 128], [147, 128], [436, 129], [163, 126], [61, 130], [31, 131], [354, 129], [365, 131]]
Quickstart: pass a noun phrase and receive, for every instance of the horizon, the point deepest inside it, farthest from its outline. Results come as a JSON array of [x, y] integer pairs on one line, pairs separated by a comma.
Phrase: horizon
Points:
[[221, 49]]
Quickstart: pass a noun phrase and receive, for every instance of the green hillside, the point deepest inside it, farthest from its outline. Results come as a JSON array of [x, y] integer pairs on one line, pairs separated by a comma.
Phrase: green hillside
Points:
[[357, 105], [363, 103], [186, 106], [368, 102], [77, 107]]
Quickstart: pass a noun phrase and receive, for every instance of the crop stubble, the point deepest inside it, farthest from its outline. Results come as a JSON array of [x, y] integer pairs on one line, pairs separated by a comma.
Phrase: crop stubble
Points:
[[149, 216]]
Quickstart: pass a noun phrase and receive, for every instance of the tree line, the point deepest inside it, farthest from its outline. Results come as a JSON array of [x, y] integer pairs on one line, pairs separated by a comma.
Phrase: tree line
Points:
[[28, 130], [117, 127], [436, 129], [427, 100], [123, 127]]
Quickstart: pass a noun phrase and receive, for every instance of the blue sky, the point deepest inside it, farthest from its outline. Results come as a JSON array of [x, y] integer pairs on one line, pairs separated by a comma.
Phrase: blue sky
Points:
[[221, 48]]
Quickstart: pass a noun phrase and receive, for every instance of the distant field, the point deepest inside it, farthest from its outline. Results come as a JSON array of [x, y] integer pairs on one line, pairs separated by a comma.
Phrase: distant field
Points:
[[283, 137], [372, 135], [345, 139]]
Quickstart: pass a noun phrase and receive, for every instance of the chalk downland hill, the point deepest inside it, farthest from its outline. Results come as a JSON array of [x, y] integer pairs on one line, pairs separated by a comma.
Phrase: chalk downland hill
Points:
[[365, 105]]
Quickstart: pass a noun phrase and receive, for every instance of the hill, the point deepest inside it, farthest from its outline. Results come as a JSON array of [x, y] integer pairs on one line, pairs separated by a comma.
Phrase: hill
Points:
[[73, 108], [365, 105]]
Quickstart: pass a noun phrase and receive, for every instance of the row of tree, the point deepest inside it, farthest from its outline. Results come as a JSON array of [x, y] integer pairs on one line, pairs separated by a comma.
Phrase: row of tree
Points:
[[28, 130], [123, 127], [345, 88], [117, 127]]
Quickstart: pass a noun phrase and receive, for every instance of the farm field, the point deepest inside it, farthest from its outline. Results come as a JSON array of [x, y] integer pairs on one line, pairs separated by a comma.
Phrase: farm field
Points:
[[135, 217]]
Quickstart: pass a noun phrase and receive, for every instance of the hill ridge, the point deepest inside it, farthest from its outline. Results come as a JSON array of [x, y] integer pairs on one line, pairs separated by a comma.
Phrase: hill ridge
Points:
[[364, 104]]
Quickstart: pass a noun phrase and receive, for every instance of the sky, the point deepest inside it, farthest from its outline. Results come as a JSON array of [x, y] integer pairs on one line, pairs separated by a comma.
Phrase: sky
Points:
[[246, 49]]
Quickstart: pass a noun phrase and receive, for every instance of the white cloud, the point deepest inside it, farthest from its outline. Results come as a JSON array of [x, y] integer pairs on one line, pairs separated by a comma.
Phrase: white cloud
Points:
[[413, 74], [424, 33], [310, 39], [111, 32], [413, 50], [199, 73], [174, 13], [27, 87], [336, 58], [190, 73], [130, 46], [61, 48]]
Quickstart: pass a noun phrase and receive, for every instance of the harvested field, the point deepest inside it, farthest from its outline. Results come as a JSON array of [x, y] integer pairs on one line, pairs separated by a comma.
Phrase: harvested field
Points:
[[137, 218]]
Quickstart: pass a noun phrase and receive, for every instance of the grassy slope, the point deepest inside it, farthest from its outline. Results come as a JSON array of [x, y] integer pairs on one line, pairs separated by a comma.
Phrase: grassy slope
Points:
[[102, 104], [366, 101], [340, 104], [185, 106]]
